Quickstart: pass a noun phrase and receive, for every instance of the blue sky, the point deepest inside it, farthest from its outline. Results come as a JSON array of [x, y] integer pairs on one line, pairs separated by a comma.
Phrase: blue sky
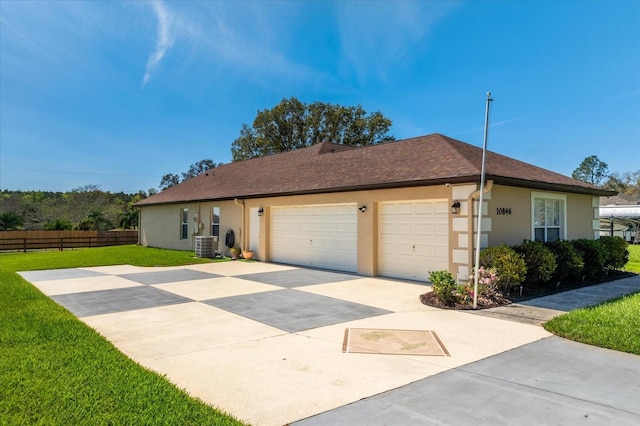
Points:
[[118, 94]]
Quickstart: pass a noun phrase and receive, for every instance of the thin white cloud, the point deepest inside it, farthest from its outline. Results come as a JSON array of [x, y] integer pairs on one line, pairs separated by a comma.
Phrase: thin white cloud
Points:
[[631, 94], [243, 37], [376, 36], [496, 124], [164, 40]]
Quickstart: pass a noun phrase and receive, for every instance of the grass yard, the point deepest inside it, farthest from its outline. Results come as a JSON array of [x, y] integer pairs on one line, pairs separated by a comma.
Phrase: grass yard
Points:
[[634, 259], [614, 325], [55, 370]]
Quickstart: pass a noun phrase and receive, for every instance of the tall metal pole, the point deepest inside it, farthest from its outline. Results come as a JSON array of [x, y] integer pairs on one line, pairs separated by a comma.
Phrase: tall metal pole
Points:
[[480, 201]]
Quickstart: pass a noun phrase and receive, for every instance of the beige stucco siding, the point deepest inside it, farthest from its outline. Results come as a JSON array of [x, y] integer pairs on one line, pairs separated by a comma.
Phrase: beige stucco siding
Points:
[[507, 219], [514, 224], [160, 226], [580, 216], [367, 221], [510, 211]]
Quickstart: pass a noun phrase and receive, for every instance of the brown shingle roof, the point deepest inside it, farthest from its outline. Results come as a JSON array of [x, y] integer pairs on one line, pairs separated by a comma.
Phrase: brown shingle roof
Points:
[[328, 167]]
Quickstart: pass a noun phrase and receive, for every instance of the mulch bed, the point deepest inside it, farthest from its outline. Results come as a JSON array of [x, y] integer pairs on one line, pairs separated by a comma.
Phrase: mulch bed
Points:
[[430, 299], [495, 300]]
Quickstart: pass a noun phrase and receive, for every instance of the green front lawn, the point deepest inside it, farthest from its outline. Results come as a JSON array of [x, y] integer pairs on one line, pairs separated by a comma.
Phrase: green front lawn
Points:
[[55, 370], [614, 325], [102, 256], [634, 259]]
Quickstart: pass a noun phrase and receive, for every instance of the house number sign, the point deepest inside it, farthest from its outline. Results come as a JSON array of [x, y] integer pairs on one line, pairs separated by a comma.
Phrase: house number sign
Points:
[[503, 210]]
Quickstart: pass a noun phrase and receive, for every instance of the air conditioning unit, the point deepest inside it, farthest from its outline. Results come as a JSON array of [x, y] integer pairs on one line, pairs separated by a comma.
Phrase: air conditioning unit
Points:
[[204, 246]]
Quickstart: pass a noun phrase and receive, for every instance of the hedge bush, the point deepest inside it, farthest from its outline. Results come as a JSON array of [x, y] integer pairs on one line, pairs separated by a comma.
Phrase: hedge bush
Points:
[[593, 257], [536, 264], [539, 260], [616, 252], [569, 262], [509, 265]]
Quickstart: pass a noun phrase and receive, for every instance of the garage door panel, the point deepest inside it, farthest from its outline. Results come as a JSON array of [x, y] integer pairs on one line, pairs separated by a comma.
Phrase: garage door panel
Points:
[[424, 249], [343, 245], [423, 208], [402, 228], [442, 229], [413, 238], [442, 208], [326, 245], [442, 252], [426, 229]]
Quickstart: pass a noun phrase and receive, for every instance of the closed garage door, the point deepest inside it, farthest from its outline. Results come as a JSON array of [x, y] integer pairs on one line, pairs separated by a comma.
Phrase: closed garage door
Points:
[[414, 238], [321, 236]]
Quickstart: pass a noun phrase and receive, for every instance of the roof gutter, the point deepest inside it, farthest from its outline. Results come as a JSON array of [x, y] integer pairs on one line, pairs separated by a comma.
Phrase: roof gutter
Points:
[[523, 183], [500, 180]]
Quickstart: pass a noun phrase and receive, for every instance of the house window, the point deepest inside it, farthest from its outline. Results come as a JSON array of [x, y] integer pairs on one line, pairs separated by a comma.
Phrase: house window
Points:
[[548, 217], [215, 222], [184, 224]]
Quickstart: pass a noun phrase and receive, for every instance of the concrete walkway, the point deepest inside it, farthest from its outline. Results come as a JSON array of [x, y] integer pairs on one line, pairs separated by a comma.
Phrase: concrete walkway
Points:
[[542, 309], [263, 342]]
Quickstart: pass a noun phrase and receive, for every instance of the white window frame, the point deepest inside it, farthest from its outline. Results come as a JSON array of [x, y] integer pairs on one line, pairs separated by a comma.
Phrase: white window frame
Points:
[[213, 221], [549, 196], [184, 224]]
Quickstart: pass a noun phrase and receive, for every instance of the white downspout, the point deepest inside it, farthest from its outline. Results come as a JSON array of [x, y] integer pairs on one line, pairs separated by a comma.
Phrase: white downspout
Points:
[[241, 236]]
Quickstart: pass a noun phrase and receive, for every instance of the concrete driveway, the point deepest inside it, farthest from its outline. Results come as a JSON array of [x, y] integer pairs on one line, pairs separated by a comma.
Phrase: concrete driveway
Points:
[[263, 342]]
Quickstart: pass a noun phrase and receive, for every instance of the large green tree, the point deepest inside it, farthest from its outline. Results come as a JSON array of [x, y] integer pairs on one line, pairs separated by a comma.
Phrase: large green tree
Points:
[[627, 183], [292, 124], [592, 170], [168, 181], [198, 168], [10, 221], [195, 169]]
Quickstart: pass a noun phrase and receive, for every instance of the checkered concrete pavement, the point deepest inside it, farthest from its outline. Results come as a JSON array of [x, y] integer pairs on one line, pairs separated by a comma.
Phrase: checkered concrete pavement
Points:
[[263, 342]]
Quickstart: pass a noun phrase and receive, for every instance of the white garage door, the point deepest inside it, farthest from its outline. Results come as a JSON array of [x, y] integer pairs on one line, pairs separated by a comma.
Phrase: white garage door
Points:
[[321, 236], [414, 238]]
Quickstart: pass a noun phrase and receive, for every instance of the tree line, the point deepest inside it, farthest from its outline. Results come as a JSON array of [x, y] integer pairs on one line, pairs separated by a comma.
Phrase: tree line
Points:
[[83, 208]]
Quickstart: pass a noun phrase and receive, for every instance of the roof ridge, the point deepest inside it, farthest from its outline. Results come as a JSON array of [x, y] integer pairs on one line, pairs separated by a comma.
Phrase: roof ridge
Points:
[[457, 146]]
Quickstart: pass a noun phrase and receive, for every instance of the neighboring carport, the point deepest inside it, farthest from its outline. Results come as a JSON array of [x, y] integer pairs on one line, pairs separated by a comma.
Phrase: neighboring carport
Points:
[[622, 221]]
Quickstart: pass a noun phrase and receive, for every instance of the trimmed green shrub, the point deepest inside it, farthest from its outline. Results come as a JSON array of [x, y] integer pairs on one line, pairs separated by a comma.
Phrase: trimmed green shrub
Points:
[[569, 261], [444, 286], [509, 265], [540, 262], [10, 221], [58, 225], [616, 252], [593, 256]]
